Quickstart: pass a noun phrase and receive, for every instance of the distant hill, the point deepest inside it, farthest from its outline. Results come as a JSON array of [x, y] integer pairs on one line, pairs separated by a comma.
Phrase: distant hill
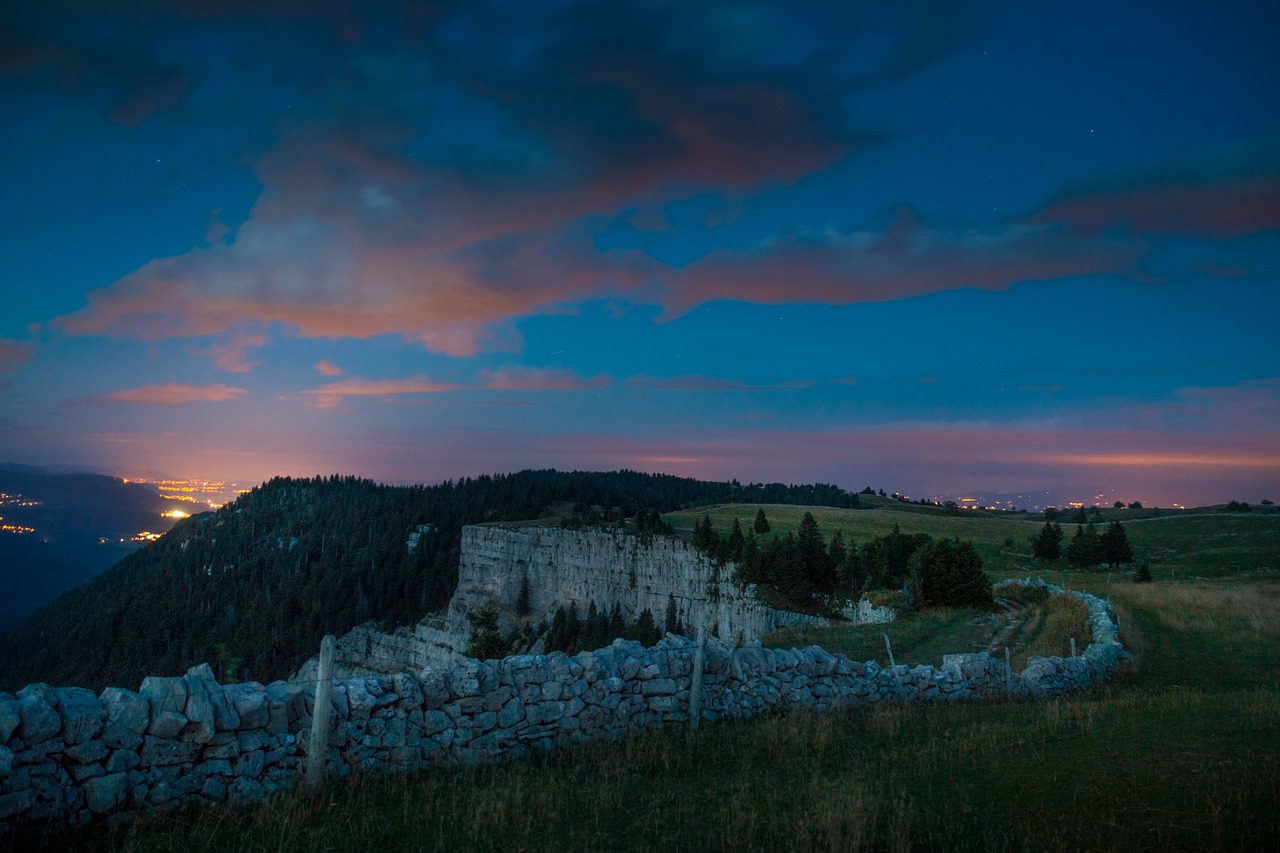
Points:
[[252, 588], [55, 527]]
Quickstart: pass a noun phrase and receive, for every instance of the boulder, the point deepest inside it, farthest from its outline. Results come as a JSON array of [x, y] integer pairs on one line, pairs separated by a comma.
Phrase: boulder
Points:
[[82, 714], [105, 793], [39, 720], [164, 693], [10, 717]]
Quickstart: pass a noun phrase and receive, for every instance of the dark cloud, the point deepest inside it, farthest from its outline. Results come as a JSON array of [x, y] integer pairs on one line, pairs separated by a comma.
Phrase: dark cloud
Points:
[[1233, 194]]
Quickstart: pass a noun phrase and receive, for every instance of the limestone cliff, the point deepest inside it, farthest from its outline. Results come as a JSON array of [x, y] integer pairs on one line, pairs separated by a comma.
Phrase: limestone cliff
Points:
[[574, 566]]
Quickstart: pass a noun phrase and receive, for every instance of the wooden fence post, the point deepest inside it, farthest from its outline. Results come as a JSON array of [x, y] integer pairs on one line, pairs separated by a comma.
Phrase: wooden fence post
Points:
[[893, 667], [1008, 673], [318, 744], [695, 681], [1073, 646]]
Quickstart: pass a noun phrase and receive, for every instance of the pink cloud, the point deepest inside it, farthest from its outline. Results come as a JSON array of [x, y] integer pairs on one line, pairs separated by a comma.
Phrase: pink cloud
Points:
[[231, 352], [907, 257], [172, 394], [332, 394], [13, 354], [325, 367]]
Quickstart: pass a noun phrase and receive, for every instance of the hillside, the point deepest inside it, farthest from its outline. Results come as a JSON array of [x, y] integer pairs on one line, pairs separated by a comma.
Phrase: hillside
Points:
[[61, 530], [1185, 544], [252, 588]]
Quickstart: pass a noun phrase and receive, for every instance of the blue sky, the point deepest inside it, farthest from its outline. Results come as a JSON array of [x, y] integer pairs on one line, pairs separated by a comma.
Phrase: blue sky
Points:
[[936, 247]]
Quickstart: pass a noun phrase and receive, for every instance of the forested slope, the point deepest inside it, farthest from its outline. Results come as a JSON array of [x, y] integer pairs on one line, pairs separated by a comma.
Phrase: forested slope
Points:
[[253, 588]]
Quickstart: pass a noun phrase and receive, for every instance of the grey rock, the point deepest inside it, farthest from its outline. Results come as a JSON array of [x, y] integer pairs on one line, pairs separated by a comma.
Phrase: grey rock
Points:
[[167, 724], [16, 803], [161, 752], [123, 760], [82, 714], [40, 721], [164, 694], [87, 752], [106, 793], [10, 717]]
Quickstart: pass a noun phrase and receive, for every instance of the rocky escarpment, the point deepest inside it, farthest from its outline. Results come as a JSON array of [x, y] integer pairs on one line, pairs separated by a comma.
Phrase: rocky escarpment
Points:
[[562, 567]]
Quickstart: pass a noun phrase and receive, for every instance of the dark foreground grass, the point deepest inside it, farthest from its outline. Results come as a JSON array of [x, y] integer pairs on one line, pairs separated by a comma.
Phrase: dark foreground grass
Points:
[[1117, 769]]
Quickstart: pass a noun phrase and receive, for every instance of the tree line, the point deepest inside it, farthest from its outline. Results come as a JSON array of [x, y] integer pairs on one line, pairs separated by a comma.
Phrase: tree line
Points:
[[807, 570]]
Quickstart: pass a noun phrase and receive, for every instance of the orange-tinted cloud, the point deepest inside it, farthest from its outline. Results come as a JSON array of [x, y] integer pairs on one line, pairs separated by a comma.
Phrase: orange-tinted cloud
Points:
[[231, 353], [172, 394], [325, 367], [331, 395]]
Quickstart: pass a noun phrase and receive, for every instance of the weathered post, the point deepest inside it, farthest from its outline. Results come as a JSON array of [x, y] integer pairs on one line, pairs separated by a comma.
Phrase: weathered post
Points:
[[893, 667], [318, 744], [1008, 673], [1073, 646], [695, 681]]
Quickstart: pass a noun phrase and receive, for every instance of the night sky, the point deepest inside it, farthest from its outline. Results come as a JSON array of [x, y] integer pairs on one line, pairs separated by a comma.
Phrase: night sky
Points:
[[1007, 248]]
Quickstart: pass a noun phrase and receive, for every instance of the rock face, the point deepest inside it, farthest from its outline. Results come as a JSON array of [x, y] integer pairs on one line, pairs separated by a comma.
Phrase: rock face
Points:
[[563, 567], [241, 742]]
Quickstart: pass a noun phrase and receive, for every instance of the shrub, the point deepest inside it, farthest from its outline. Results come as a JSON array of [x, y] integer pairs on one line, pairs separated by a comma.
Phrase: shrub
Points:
[[949, 574]]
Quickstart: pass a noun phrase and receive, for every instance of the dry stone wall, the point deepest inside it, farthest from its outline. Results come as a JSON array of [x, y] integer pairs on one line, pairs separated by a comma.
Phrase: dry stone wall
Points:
[[68, 757]]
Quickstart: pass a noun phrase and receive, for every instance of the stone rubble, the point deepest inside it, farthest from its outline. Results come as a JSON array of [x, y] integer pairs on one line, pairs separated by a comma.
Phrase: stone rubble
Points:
[[69, 758]]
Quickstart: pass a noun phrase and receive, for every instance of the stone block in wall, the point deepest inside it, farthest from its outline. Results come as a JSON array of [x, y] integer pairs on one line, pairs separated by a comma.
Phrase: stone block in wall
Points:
[[164, 693], [82, 714], [163, 752], [250, 702], [128, 716], [167, 724], [10, 717], [87, 752], [106, 793], [39, 720], [6, 761], [408, 689], [199, 713], [123, 760], [16, 803]]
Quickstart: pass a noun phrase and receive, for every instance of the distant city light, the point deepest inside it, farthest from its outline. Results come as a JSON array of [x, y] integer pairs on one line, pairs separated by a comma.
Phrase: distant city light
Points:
[[176, 513]]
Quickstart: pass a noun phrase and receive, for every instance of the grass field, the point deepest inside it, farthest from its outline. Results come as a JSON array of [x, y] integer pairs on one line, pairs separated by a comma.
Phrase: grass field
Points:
[[1182, 752]]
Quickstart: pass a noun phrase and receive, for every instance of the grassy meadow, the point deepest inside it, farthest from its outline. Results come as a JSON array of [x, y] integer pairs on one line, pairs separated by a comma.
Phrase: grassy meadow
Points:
[[1180, 752]]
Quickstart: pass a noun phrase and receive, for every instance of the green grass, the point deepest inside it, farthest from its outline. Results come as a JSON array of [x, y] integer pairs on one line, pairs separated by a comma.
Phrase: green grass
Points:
[[1182, 752], [1183, 544]]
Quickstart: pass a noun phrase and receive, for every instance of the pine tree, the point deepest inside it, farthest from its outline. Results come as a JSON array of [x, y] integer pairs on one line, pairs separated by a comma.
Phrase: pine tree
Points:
[[1085, 551], [1115, 545], [761, 524], [1048, 545], [672, 622], [522, 601], [736, 541], [950, 574]]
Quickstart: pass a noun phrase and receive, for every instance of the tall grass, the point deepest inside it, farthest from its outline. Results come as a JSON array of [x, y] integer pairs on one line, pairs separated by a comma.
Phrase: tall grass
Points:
[[1112, 769]]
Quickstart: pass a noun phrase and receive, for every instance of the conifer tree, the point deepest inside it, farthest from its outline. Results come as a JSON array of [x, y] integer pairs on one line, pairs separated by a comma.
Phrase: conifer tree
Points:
[[761, 524], [1115, 545], [1047, 545]]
